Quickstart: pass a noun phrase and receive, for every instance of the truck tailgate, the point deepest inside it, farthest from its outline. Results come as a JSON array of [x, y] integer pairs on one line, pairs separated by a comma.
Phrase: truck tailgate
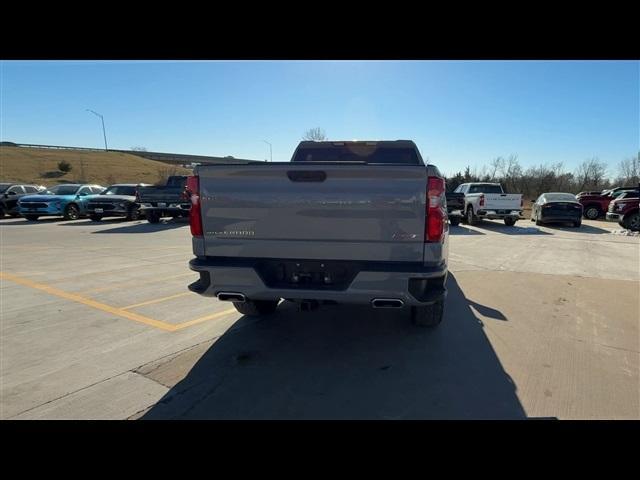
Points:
[[161, 194], [314, 211], [502, 201]]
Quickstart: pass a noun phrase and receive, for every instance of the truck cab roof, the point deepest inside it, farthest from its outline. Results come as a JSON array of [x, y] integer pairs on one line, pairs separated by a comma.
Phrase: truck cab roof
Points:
[[398, 152]]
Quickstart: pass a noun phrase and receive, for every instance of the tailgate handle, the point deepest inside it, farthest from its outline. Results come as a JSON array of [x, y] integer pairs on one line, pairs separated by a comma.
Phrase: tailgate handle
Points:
[[307, 175]]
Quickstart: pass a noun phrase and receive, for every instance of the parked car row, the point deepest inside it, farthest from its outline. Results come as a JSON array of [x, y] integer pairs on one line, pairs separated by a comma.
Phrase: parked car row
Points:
[[596, 204], [73, 201], [472, 202]]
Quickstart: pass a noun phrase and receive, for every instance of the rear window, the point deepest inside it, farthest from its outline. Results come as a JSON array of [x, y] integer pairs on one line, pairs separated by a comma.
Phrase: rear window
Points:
[[635, 194], [120, 190], [64, 189], [357, 153], [560, 197], [485, 189], [176, 181]]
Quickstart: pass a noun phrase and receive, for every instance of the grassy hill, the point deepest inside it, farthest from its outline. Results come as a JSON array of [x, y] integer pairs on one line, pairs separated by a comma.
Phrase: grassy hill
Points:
[[40, 165]]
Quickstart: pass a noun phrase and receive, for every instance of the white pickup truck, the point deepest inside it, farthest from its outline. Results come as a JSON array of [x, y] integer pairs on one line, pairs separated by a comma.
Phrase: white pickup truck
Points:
[[488, 200]]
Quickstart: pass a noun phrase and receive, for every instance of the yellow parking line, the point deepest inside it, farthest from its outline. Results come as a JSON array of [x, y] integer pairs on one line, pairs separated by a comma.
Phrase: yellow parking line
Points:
[[136, 282], [120, 312], [204, 319], [156, 300], [87, 301]]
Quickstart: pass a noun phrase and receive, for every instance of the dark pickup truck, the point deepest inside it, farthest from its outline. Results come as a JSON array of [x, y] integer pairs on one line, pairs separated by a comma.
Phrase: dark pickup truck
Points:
[[170, 200], [455, 207], [625, 210]]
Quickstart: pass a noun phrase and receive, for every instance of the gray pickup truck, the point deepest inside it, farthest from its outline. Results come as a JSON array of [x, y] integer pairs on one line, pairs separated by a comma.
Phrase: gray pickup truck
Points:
[[342, 223]]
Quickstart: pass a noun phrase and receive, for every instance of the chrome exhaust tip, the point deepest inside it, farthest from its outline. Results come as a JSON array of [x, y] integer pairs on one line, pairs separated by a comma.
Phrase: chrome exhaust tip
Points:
[[387, 303], [231, 297]]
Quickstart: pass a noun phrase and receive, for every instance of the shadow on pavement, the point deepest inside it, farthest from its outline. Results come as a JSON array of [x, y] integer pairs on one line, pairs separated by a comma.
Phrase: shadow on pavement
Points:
[[582, 229], [23, 221], [460, 230], [85, 222], [487, 311], [524, 229], [349, 363], [145, 227]]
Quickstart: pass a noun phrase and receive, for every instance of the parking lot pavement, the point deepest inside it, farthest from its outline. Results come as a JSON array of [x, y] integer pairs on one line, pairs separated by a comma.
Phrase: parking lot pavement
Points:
[[97, 323]]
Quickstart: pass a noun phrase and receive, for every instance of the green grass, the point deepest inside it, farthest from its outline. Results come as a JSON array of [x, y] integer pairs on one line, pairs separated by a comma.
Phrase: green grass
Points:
[[40, 166]]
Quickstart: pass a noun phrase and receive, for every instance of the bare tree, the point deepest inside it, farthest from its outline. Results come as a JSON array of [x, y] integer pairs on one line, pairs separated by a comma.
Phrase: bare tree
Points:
[[496, 166], [629, 170], [591, 173], [315, 134]]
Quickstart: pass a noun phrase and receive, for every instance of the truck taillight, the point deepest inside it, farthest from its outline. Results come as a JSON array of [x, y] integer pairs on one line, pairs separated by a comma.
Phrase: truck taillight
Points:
[[481, 201], [195, 219], [436, 214], [137, 196], [521, 202]]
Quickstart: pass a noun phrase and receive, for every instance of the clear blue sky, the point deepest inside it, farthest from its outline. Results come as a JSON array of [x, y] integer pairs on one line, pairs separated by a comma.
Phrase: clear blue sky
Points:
[[459, 113]]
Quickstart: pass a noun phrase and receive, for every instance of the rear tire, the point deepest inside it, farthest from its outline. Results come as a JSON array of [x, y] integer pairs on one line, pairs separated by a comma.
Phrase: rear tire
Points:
[[133, 213], [632, 222], [95, 218], [429, 315], [455, 221], [577, 224], [471, 218], [592, 213], [153, 217], [31, 218], [256, 308], [14, 215], [509, 222], [1, 212]]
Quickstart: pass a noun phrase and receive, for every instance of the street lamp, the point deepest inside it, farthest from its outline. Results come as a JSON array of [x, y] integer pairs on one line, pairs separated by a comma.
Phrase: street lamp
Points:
[[270, 150], [103, 130]]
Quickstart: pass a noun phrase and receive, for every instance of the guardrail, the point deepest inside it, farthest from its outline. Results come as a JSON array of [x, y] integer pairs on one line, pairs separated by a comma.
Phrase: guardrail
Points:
[[164, 157], [60, 147]]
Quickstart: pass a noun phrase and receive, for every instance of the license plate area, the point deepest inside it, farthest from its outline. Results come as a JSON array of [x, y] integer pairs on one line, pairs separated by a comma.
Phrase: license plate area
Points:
[[99, 210], [306, 275]]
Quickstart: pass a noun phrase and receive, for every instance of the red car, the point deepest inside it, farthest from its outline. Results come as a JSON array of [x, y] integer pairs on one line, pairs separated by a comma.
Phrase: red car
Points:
[[625, 211], [597, 205]]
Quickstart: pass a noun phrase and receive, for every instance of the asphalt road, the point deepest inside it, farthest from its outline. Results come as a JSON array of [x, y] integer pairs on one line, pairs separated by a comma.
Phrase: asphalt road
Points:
[[97, 323]]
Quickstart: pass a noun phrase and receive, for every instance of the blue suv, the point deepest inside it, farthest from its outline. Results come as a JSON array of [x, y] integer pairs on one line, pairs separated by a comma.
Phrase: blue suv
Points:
[[68, 201]]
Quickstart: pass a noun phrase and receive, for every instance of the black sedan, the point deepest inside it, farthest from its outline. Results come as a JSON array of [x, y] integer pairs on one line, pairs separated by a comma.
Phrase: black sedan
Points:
[[556, 208]]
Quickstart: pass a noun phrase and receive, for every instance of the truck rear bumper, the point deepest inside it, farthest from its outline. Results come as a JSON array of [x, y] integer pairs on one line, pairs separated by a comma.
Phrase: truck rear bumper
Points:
[[413, 284], [499, 215], [166, 211], [614, 217]]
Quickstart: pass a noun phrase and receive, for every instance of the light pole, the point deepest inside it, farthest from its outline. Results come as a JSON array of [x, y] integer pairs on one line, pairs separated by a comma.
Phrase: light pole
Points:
[[103, 130], [270, 150]]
